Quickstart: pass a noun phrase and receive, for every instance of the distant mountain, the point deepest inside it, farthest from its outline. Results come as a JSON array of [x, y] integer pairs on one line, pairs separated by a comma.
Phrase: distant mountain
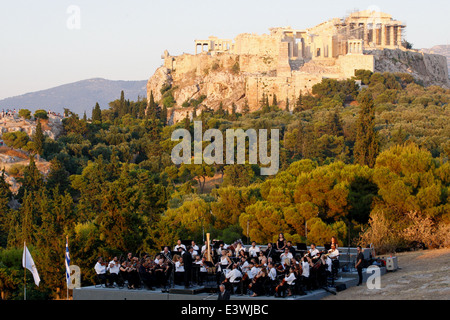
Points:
[[79, 96], [443, 50]]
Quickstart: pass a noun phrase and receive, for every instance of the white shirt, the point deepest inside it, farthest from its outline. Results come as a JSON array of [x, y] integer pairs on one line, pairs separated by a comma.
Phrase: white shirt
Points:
[[115, 268], [335, 254], [253, 251], [179, 246], [244, 266], [273, 274], [202, 266], [290, 279], [253, 272], [313, 252], [99, 268], [305, 267], [285, 256], [233, 274], [179, 267]]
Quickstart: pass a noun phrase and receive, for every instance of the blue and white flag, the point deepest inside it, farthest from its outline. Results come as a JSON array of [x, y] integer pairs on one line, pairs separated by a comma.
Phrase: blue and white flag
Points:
[[67, 263]]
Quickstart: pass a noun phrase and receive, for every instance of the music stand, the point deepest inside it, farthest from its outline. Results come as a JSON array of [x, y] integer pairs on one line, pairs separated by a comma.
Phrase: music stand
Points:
[[302, 247], [327, 246]]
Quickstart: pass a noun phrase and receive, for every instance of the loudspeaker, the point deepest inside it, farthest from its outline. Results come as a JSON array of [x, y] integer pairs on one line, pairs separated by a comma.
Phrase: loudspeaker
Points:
[[391, 263]]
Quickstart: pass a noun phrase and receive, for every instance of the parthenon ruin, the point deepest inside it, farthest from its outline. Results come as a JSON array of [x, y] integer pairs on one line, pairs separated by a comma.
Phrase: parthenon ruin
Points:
[[360, 30]]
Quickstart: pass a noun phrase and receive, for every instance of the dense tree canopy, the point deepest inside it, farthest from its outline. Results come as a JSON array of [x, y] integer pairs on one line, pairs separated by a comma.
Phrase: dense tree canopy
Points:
[[350, 160]]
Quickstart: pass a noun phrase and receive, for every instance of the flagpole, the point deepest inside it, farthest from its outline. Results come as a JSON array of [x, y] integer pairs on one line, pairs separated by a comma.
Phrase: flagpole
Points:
[[67, 284], [24, 273]]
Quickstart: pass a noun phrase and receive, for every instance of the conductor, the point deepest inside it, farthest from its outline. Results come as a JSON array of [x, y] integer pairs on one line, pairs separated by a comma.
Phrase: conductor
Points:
[[187, 259]]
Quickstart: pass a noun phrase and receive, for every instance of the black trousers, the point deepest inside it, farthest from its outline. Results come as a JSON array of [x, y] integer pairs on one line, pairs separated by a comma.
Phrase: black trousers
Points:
[[187, 276], [360, 275]]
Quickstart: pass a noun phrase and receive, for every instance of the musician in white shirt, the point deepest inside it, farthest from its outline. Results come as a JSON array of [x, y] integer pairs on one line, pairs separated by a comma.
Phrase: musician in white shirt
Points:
[[179, 270], [288, 281], [272, 272], [254, 250], [113, 268], [100, 269], [234, 274], [179, 245], [334, 256], [313, 251], [286, 257]]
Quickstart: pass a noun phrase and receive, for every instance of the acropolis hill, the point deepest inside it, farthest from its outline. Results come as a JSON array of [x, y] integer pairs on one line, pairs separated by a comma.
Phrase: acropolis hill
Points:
[[289, 61]]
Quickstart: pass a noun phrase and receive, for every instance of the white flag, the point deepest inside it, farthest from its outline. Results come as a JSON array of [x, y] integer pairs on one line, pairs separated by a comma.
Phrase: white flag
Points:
[[27, 262]]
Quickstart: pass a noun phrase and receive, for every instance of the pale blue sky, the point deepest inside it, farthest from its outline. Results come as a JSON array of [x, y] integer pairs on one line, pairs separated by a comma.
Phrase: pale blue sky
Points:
[[124, 40]]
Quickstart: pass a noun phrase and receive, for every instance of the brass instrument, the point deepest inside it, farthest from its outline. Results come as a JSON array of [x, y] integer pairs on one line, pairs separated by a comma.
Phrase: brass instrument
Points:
[[208, 248]]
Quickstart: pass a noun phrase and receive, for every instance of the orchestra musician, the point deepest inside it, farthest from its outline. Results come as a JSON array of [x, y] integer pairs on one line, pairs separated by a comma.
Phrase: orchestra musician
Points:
[[286, 257], [281, 242], [146, 273], [257, 285], [334, 241], [161, 273], [313, 252], [196, 250], [270, 251], [179, 269], [305, 273], [232, 277], [334, 256], [114, 269], [272, 276], [286, 284], [178, 246], [291, 248], [280, 245], [203, 272], [237, 250], [100, 269], [253, 250]]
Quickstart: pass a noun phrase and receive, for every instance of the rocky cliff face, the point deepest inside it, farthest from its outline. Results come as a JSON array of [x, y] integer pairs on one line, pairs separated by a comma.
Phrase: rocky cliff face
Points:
[[213, 79], [430, 69]]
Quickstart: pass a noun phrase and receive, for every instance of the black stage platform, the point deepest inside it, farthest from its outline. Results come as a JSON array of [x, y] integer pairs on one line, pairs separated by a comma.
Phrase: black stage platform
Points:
[[346, 280]]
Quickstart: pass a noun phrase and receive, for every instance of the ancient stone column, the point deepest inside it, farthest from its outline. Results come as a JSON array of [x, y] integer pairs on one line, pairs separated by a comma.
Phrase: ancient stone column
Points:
[[399, 36], [383, 35], [391, 30]]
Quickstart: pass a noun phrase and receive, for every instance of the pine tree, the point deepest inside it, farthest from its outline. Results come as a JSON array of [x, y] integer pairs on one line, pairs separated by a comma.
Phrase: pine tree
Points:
[[122, 104], [163, 116], [274, 101], [39, 139], [287, 105], [96, 113], [334, 123], [151, 112], [299, 103], [366, 144]]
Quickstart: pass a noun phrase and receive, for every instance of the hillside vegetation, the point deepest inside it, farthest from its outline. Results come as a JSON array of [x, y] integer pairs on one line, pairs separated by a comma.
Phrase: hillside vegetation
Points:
[[367, 165]]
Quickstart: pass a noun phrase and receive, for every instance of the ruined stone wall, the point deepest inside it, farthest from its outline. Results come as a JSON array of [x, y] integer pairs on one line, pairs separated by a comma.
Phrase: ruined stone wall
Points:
[[261, 45], [352, 62]]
